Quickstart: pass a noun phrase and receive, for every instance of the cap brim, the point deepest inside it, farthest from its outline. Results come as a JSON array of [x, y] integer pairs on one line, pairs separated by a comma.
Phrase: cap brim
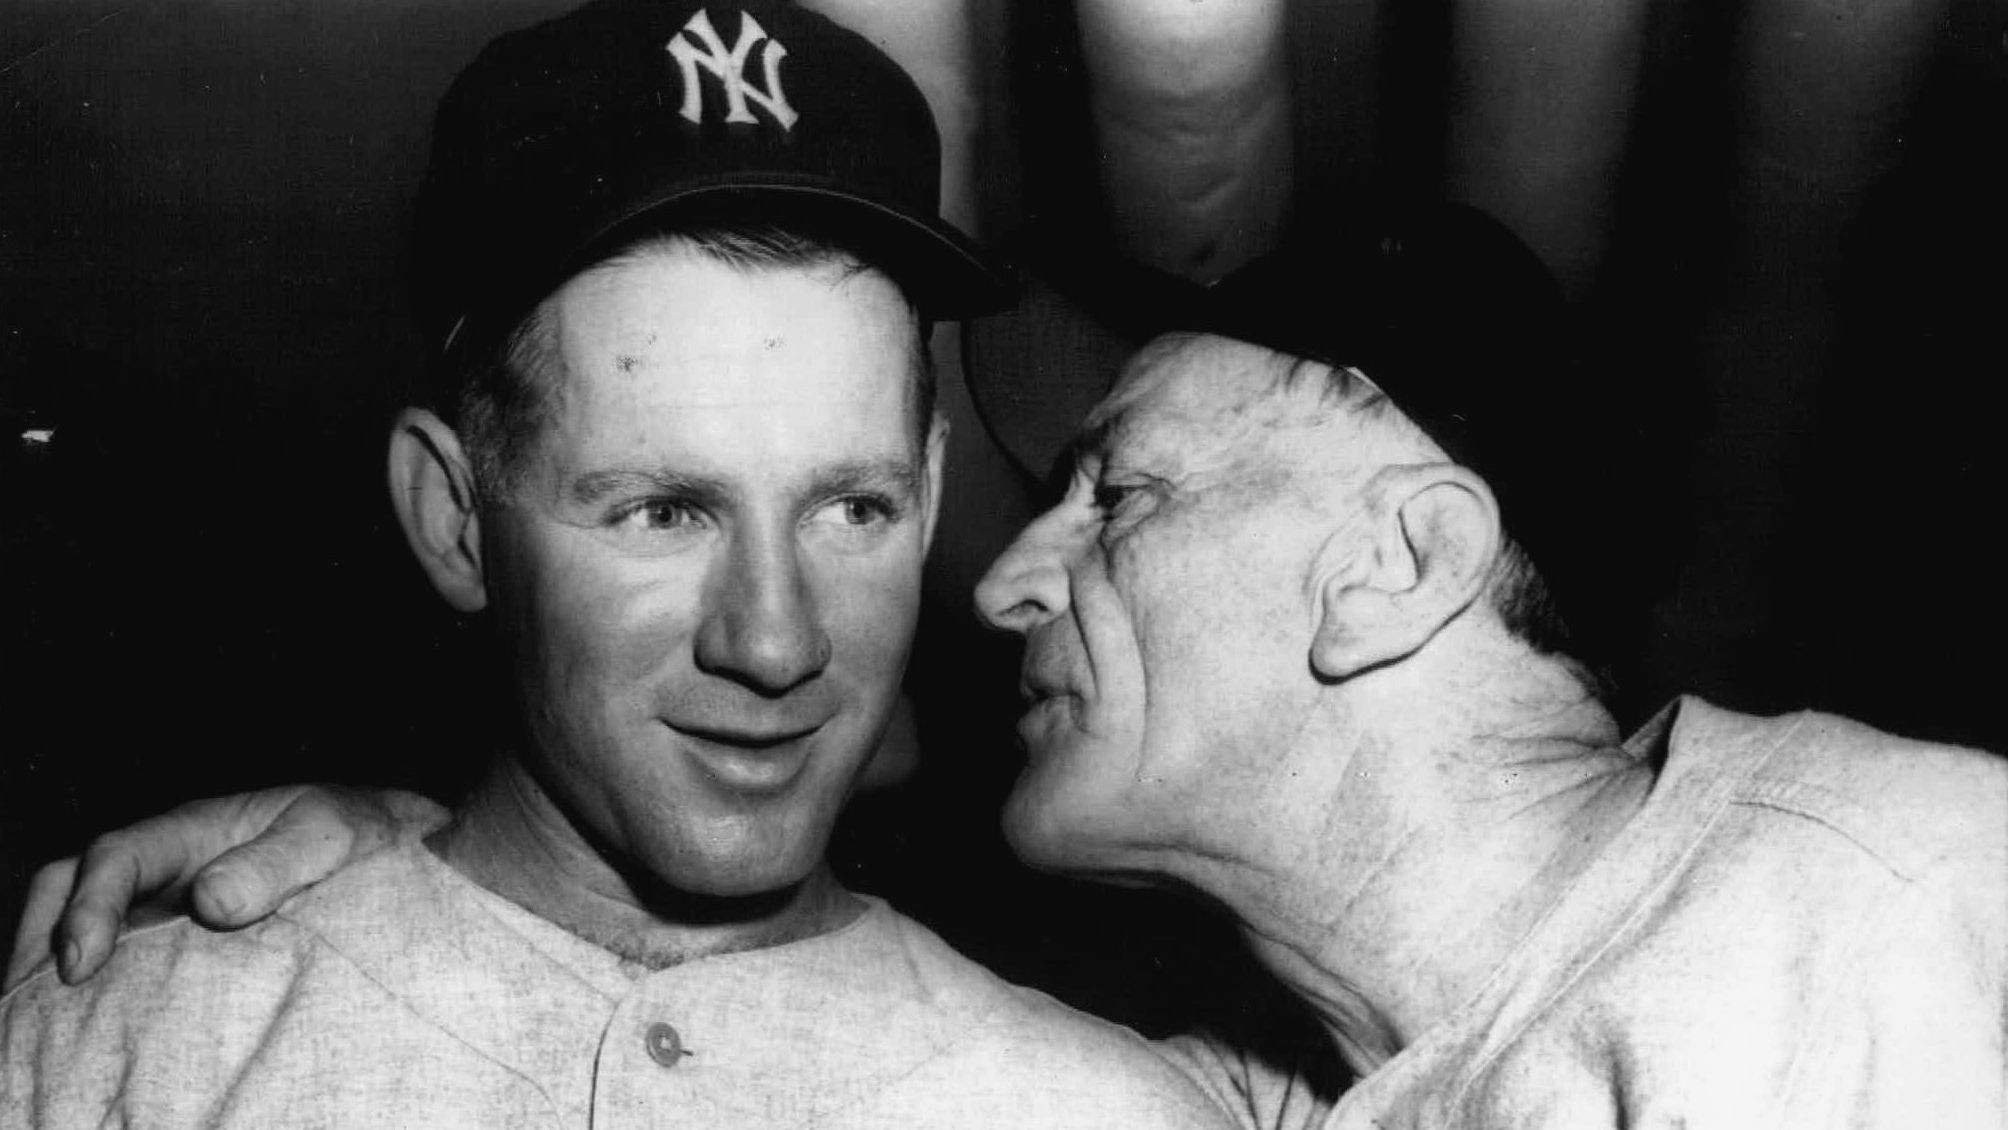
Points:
[[1036, 368], [1387, 294]]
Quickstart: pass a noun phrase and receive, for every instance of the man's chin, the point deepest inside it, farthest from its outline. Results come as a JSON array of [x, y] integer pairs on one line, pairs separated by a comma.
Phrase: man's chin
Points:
[[1044, 831], [723, 892], [729, 855]]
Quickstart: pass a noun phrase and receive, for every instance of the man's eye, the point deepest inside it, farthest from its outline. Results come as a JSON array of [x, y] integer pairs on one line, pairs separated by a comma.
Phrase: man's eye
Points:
[[1110, 497], [860, 510], [658, 514]]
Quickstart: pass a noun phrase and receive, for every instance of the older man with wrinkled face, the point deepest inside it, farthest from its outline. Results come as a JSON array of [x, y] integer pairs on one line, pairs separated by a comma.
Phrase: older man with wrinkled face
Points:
[[1169, 601], [1282, 648]]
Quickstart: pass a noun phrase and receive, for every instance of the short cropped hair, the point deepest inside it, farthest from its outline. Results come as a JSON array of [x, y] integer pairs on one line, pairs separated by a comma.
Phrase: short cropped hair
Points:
[[499, 400]]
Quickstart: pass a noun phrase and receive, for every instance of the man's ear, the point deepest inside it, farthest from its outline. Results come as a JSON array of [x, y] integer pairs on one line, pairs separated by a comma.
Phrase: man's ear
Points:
[[432, 490], [1432, 537], [935, 456]]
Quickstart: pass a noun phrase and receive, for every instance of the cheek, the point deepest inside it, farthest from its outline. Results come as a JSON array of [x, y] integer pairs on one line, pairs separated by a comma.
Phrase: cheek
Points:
[[1222, 644], [1106, 594], [591, 629], [1179, 610], [869, 607]]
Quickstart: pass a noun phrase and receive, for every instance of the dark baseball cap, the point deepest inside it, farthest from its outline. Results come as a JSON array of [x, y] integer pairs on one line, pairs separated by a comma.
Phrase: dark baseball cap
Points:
[[562, 139], [1442, 307]]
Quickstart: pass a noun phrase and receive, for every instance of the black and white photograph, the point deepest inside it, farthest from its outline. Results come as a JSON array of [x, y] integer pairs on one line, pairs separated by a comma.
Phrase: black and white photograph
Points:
[[1279, 564]]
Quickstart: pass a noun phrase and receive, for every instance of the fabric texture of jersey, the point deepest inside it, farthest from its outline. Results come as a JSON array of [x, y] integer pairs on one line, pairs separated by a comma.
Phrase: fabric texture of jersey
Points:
[[1805, 926], [399, 993]]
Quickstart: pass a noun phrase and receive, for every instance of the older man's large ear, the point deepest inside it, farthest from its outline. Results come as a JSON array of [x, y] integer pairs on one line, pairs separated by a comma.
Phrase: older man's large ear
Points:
[[432, 490], [1424, 554]]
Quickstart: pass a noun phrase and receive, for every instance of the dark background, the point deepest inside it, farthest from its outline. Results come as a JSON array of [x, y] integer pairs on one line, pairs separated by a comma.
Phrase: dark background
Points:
[[202, 212]]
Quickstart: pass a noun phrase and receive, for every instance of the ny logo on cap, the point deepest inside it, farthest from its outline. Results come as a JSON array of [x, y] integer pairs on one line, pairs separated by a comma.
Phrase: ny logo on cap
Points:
[[729, 67]]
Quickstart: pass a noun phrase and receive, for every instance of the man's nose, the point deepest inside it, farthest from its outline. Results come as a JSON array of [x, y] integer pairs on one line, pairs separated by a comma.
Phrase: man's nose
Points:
[[763, 629], [1027, 585]]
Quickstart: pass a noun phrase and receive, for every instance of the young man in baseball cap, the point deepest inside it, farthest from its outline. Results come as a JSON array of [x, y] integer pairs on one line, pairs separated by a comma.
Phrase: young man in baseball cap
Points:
[[680, 453]]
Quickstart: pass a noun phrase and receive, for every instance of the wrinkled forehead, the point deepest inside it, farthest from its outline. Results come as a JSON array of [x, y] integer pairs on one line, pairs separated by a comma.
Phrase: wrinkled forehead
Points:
[[1199, 394]]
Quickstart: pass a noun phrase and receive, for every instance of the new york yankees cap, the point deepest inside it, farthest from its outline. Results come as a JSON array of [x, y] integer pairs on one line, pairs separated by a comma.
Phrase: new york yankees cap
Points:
[[564, 138], [1440, 306]]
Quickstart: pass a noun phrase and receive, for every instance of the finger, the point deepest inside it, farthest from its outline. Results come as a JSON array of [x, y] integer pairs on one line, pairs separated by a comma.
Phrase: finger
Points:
[[35, 933], [151, 857], [312, 837]]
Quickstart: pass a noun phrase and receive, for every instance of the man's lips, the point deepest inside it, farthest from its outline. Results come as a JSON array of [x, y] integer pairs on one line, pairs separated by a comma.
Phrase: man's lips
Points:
[[1034, 693], [1038, 681], [1048, 718], [746, 738], [1042, 688], [1044, 670], [749, 759]]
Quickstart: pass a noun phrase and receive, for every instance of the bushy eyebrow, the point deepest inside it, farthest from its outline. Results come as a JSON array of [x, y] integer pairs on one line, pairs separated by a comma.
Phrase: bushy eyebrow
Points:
[[892, 476], [596, 486], [897, 477]]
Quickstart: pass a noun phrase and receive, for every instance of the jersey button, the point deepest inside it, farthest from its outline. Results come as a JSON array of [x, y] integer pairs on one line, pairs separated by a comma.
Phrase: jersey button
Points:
[[664, 1045]]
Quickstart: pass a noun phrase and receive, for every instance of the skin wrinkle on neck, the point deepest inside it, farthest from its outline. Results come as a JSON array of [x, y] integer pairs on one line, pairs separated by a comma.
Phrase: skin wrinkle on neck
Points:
[[1343, 916], [1569, 821]]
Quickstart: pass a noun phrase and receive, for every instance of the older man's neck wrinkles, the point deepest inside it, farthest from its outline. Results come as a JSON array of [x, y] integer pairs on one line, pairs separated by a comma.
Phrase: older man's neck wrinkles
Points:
[[1456, 823]]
